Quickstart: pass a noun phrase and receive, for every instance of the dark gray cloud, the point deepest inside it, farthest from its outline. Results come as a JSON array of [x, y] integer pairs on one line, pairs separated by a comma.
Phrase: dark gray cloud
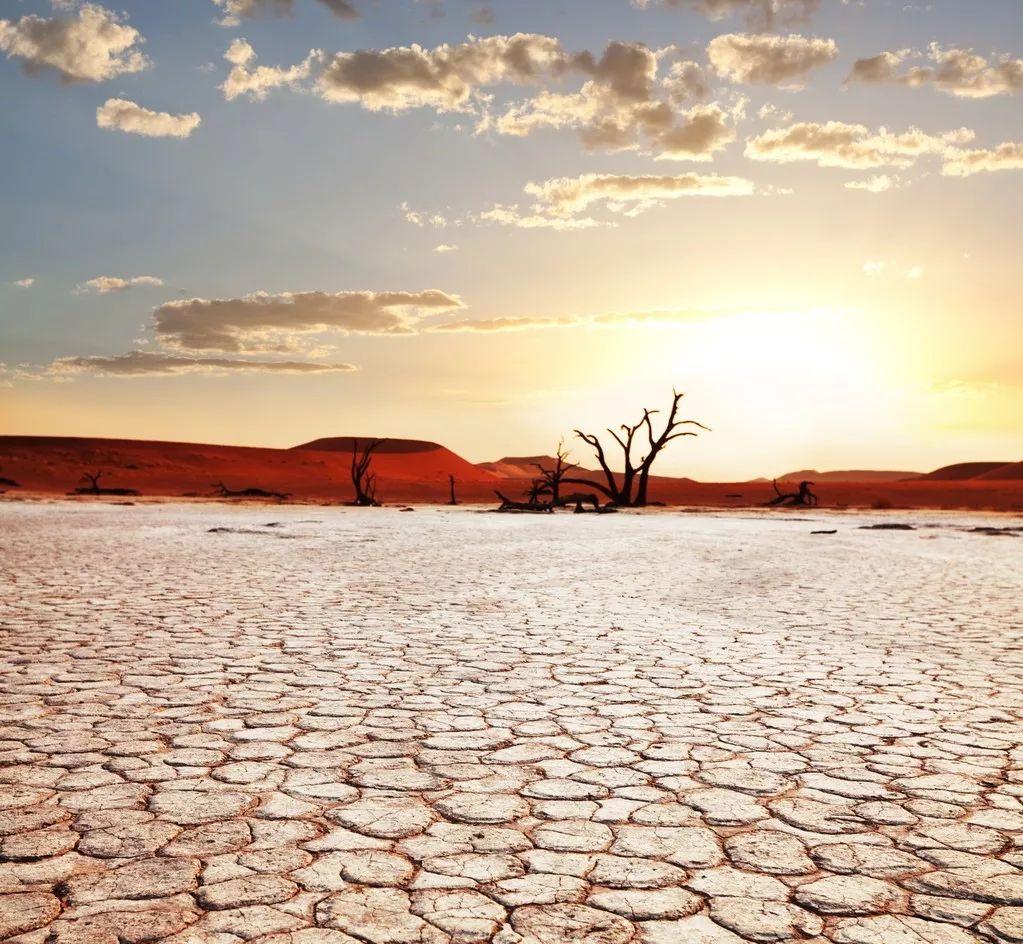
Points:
[[146, 363], [264, 322]]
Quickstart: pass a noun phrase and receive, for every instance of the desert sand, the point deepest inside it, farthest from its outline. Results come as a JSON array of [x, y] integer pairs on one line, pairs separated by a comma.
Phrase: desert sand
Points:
[[411, 471], [329, 726]]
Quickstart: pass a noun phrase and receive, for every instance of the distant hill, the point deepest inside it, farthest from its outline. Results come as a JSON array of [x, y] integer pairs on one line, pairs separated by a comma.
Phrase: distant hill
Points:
[[1011, 471], [55, 464], [404, 459], [345, 443], [411, 470], [962, 471], [517, 467], [848, 475]]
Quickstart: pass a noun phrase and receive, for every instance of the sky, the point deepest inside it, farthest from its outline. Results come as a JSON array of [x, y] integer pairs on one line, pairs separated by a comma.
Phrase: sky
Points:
[[487, 224]]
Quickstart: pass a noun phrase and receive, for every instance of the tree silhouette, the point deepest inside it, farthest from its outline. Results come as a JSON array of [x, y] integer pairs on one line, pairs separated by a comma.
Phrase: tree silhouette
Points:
[[363, 480], [94, 488], [224, 492], [93, 479], [792, 499], [630, 487], [551, 479], [451, 485]]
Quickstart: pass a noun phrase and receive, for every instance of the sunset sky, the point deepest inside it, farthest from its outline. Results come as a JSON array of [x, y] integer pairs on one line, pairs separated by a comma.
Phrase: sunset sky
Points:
[[260, 222]]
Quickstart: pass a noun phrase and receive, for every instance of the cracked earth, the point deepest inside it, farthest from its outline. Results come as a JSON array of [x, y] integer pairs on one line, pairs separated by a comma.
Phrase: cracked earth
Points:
[[321, 726]]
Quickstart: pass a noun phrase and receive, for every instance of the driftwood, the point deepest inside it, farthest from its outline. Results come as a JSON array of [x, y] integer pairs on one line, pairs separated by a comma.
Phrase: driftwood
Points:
[[579, 499], [532, 505], [94, 488], [224, 492], [793, 499]]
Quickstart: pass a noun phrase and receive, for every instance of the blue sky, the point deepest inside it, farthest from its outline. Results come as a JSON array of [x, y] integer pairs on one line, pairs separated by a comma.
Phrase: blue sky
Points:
[[863, 326]]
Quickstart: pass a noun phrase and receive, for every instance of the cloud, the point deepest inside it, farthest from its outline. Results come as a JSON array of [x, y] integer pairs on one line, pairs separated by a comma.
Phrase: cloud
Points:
[[622, 104], [510, 215], [424, 219], [569, 196], [263, 322], [769, 60], [505, 324], [1006, 156], [444, 78], [24, 283], [529, 323], [258, 81], [122, 115], [759, 14], [145, 363], [876, 184], [703, 131], [880, 267], [237, 10], [837, 144], [959, 72], [445, 247], [770, 112], [105, 284], [93, 46], [561, 203], [623, 107], [686, 81], [607, 123]]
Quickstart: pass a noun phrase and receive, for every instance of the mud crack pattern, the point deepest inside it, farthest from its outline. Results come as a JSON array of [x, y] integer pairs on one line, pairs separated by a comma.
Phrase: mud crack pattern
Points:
[[454, 727]]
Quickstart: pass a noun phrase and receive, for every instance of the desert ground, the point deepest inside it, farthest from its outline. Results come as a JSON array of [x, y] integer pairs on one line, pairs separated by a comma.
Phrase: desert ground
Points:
[[304, 725], [416, 471]]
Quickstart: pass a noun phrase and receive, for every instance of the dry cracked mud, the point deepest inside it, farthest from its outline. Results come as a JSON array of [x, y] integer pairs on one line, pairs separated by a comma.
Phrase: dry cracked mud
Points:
[[456, 727]]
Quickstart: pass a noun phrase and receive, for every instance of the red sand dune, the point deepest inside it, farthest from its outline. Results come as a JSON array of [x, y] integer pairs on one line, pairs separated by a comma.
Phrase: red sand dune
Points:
[[848, 475], [416, 471], [406, 469], [1011, 471], [963, 471], [517, 467], [413, 460]]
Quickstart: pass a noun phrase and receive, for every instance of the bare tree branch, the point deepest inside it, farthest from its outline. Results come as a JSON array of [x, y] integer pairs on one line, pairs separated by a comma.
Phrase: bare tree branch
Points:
[[363, 481], [631, 486]]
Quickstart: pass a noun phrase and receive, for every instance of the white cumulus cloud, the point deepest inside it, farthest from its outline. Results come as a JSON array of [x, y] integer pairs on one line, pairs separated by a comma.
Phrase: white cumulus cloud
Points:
[[91, 46], [765, 59], [105, 284], [119, 114]]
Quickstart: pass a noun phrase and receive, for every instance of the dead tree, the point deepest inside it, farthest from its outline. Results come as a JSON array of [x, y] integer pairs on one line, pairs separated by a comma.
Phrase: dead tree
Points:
[[793, 499], [363, 480], [532, 504], [94, 488], [630, 487], [223, 491], [93, 479], [9, 483], [581, 498], [551, 479], [451, 485]]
